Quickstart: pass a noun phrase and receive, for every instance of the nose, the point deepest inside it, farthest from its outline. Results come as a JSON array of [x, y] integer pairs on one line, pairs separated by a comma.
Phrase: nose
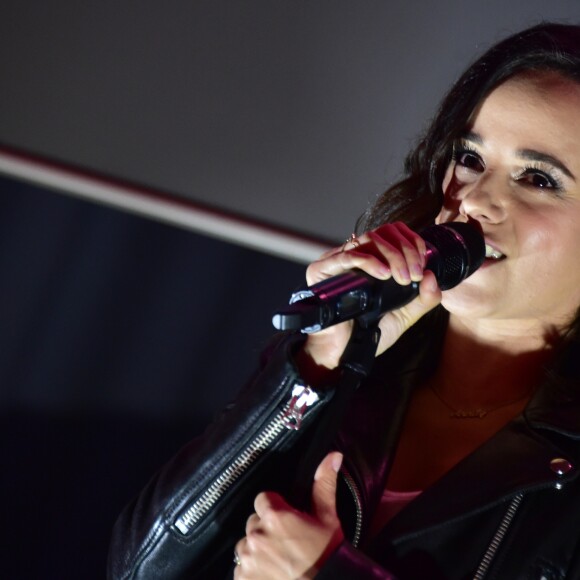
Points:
[[483, 201]]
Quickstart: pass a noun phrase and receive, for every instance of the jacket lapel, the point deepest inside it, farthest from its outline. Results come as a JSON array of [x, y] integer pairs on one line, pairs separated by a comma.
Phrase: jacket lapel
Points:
[[515, 459]]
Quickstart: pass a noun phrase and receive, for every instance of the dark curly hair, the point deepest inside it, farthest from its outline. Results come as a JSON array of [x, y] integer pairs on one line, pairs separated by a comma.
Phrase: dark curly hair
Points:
[[417, 198]]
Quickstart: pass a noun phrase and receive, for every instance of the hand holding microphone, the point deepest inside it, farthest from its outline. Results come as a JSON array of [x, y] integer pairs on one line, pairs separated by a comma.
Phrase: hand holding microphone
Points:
[[393, 270], [453, 252]]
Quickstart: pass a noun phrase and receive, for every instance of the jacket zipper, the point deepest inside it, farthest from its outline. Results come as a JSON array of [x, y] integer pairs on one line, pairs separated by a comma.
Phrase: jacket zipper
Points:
[[498, 537], [288, 418], [350, 483]]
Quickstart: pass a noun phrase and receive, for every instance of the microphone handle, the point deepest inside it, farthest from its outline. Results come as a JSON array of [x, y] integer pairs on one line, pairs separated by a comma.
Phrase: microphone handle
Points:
[[454, 251], [353, 294]]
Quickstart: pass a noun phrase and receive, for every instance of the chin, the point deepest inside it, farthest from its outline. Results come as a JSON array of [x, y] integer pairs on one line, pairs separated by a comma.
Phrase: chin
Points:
[[469, 300]]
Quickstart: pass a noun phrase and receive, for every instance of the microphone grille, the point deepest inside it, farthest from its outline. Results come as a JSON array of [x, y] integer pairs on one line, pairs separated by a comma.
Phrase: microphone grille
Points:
[[460, 251]]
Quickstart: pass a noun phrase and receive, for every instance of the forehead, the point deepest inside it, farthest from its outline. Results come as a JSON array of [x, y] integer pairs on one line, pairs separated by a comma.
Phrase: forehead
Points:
[[537, 93], [536, 108]]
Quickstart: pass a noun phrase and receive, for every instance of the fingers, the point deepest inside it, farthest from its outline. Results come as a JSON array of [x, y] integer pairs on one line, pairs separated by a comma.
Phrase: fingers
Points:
[[240, 557], [268, 502], [270, 505], [391, 250], [244, 556], [403, 249], [245, 549], [253, 524], [339, 262], [282, 542]]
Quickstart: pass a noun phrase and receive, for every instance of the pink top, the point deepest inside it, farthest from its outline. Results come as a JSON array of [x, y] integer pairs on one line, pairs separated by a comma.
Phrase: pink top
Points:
[[391, 504]]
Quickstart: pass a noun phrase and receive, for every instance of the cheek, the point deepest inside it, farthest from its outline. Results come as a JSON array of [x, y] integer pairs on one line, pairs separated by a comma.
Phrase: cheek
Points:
[[450, 209], [550, 274], [551, 245], [447, 178]]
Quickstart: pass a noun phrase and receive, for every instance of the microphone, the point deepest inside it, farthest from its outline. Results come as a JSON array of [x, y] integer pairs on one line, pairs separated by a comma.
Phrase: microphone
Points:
[[454, 252]]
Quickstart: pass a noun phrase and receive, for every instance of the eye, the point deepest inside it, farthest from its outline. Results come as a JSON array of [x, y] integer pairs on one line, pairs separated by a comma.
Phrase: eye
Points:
[[539, 179], [469, 159]]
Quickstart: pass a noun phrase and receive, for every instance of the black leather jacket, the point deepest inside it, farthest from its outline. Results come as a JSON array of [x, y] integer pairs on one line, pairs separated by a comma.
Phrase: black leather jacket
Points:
[[510, 510]]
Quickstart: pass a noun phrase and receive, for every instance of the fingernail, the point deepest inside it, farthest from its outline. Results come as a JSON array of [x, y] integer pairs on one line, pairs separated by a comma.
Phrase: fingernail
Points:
[[384, 271], [417, 271], [404, 273], [336, 461], [433, 284]]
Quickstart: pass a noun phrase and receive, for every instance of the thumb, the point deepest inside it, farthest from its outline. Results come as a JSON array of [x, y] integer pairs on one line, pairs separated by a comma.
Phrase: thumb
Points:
[[395, 323], [429, 297], [324, 487]]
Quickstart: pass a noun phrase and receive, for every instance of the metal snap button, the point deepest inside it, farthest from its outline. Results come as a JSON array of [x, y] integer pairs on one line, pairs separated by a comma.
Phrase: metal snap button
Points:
[[560, 467]]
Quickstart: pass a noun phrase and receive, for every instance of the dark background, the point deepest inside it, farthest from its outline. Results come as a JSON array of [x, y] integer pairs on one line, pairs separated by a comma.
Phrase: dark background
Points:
[[292, 112], [119, 339]]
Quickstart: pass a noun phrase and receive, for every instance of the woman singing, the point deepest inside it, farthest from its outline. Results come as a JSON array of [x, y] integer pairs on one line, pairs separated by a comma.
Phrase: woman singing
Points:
[[458, 457]]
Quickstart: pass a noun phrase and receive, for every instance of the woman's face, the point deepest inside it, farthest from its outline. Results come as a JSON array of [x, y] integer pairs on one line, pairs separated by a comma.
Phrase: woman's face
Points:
[[517, 173]]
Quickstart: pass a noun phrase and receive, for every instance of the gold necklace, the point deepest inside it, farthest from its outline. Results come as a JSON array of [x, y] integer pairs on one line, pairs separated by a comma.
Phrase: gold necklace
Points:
[[479, 412]]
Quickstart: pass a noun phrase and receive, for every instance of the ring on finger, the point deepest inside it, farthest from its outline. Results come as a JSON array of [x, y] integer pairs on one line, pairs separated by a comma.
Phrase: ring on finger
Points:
[[237, 560], [352, 239]]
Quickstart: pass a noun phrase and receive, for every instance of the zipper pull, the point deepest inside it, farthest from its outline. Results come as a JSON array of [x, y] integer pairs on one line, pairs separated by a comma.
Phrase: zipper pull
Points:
[[302, 398]]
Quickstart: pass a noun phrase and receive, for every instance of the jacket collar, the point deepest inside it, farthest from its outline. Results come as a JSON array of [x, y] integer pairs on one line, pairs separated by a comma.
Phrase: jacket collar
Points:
[[516, 459], [519, 457], [556, 405]]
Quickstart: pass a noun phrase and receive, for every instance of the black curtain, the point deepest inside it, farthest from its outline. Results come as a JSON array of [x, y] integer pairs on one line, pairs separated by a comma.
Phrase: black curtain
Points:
[[120, 337]]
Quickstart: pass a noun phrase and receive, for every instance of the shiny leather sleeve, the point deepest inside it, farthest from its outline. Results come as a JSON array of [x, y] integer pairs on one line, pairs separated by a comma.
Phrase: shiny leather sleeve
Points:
[[147, 540]]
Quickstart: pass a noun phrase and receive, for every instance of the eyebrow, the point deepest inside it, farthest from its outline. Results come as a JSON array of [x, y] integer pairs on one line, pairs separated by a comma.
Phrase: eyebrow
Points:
[[472, 136], [528, 154], [533, 155]]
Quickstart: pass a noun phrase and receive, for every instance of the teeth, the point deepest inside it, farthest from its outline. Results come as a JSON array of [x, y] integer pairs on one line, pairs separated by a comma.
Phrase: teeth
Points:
[[492, 253]]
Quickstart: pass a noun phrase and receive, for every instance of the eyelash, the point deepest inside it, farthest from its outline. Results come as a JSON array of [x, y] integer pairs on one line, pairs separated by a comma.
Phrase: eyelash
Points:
[[461, 150], [532, 169]]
